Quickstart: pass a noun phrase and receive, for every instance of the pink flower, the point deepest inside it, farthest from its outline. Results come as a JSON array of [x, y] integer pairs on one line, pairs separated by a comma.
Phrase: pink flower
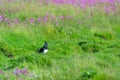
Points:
[[16, 21], [20, 79], [106, 9], [39, 19], [0, 2], [7, 19], [45, 18], [111, 2], [47, 14], [24, 71], [53, 17], [1, 72], [57, 23], [61, 17], [32, 20], [1, 18], [17, 71], [40, 2]]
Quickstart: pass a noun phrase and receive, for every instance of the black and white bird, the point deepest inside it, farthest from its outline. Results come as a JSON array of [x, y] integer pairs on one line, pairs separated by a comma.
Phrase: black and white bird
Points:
[[44, 49]]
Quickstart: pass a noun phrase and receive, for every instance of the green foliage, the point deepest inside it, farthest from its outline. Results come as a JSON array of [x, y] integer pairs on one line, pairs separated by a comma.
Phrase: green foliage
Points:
[[88, 73], [81, 48]]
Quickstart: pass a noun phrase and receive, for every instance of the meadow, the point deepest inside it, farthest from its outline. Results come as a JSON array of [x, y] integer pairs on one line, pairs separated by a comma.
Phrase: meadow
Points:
[[83, 39]]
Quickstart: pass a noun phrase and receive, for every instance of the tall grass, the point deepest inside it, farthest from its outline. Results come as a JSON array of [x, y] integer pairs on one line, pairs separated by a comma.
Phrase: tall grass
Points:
[[83, 38]]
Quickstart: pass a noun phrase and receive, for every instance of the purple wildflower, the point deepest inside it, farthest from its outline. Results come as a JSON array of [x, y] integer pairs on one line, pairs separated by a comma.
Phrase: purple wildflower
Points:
[[91, 2], [17, 72], [45, 19], [1, 18], [101, 1], [21, 71], [32, 20], [40, 2], [111, 2], [1, 72], [113, 9], [16, 21], [47, 14], [39, 19], [24, 71], [61, 17], [47, 2], [53, 17], [57, 23], [0, 2], [119, 1], [107, 9], [83, 4], [7, 19], [20, 79]]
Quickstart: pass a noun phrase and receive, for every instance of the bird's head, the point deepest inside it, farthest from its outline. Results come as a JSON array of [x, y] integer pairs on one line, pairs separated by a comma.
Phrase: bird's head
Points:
[[46, 44]]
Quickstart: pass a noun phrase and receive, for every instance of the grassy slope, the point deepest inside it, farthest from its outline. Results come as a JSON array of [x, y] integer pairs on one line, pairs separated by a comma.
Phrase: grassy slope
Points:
[[66, 59]]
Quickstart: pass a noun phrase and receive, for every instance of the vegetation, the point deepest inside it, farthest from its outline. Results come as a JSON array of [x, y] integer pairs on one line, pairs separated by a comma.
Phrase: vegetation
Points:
[[83, 40]]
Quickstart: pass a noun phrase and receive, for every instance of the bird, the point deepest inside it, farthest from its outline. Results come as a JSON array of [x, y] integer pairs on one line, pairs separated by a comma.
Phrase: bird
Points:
[[44, 48]]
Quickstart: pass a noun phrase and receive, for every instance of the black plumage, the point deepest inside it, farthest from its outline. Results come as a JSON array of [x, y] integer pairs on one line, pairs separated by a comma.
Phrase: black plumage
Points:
[[44, 49]]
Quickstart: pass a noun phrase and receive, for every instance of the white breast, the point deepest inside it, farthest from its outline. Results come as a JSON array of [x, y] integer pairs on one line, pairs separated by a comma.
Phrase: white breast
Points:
[[45, 50]]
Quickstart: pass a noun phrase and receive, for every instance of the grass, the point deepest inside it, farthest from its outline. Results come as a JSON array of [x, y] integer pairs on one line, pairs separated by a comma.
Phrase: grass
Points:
[[82, 48]]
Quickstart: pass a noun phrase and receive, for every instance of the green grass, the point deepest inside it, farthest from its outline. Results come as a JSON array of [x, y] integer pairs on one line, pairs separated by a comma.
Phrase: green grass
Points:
[[89, 50]]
